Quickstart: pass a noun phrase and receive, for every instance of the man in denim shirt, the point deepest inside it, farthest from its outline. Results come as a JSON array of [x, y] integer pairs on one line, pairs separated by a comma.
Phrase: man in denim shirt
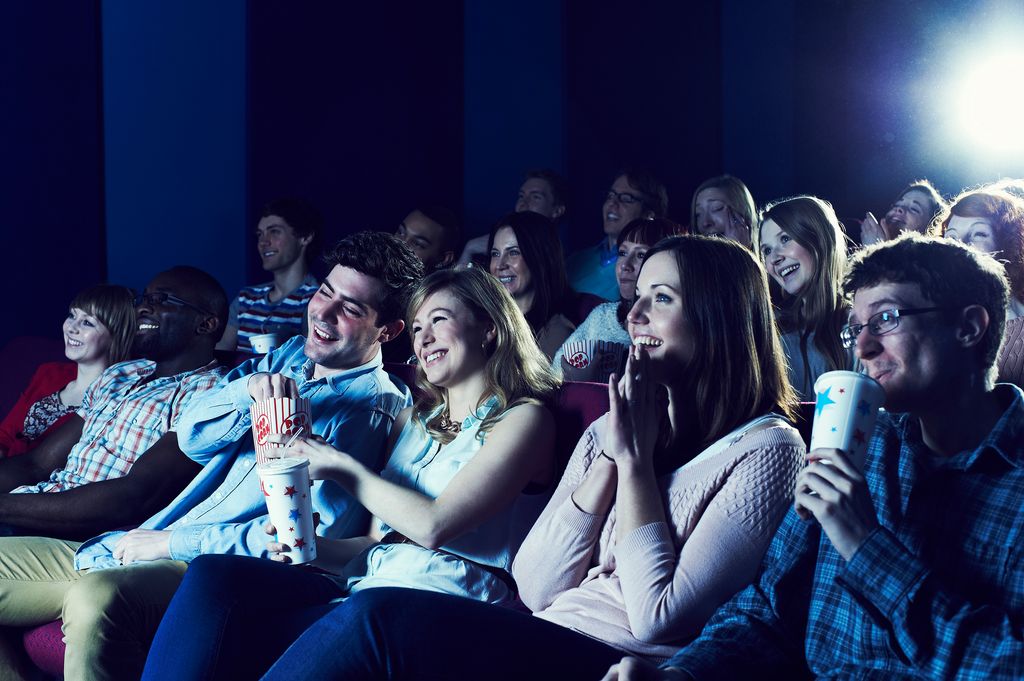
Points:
[[912, 569], [112, 590]]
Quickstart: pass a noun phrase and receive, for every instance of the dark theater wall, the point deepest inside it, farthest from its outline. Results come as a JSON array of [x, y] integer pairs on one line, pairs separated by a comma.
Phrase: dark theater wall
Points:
[[51, 198], [643, 84], [355, 107], [174, 109]]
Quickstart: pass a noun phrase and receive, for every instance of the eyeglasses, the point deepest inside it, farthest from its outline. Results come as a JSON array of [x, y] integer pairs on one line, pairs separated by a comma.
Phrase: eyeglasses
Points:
[[625, 198], [161, 298], [880, 323]]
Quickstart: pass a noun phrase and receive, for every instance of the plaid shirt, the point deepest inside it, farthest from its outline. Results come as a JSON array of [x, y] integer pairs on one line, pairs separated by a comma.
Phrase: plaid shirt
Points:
[[124, 415], [936, 591]]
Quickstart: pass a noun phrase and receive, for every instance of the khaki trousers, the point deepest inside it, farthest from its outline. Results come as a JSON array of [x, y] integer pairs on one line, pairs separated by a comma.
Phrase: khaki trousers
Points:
[[110, 616]]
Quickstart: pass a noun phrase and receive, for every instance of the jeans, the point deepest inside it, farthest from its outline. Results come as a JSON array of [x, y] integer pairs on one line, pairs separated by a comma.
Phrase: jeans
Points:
[[389, 633], [233, 616]]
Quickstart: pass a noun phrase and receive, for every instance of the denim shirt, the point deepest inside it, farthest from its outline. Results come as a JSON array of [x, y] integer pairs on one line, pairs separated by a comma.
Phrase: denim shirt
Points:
[[222, 510]]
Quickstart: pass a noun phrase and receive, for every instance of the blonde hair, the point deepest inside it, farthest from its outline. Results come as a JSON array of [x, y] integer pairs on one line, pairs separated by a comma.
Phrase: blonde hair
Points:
[[737, 197], [820, 308], [516, 372]]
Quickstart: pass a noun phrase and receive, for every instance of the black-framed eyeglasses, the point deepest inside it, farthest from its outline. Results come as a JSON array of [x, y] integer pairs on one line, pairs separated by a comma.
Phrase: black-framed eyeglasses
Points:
[[625, 198], [162, 298], [880, 323]]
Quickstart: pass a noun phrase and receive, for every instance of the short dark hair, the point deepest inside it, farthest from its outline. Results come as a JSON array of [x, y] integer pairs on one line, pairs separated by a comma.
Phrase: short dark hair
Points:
[[559, 187], [948, 273], [449, 221], [655, 195], [204, 291], [647, 232], [542, 252], [384, 257], [304, 219]]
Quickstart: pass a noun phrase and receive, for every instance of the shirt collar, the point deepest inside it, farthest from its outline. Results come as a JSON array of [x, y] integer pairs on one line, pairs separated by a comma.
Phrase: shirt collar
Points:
[[1005, 438], [338, 380], [147, 366]]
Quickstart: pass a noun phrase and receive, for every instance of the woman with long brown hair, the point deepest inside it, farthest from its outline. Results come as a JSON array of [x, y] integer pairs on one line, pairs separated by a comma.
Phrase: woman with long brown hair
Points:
[[803, 247], [663, 512]]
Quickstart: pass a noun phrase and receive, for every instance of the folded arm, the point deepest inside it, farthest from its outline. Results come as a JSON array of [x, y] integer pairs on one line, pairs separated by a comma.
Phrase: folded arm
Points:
[[38, 463], [155, 478]]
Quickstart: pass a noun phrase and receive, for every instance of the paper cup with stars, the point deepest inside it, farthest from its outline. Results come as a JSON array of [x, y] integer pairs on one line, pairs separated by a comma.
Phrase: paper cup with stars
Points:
[[845, 410], [278, 416], [286, 489]]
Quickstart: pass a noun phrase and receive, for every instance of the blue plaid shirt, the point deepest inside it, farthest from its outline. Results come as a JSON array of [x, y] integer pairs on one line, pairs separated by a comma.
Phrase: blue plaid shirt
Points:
[[936, 591]]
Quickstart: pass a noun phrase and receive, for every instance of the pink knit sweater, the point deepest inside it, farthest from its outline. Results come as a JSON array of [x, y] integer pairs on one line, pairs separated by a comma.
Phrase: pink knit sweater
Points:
[[654, 590]]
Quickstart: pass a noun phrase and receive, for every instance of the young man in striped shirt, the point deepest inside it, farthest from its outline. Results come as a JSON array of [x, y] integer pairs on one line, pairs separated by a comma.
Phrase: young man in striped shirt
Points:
[[285, 236]]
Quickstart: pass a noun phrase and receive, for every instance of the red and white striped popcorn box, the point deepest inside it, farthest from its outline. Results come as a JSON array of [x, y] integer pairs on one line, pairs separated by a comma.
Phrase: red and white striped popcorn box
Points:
[[279, 416]]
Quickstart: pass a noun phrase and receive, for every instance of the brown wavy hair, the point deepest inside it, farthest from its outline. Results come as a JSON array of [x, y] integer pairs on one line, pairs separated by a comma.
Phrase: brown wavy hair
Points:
[[517, 371], [821, 309]]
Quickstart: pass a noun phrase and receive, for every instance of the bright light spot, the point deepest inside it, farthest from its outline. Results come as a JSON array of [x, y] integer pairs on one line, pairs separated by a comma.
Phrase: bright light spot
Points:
[[989, 104]]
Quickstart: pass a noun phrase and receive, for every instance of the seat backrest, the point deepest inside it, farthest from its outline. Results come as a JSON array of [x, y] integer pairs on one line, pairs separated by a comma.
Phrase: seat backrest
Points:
[[575, 406], [804, 421], [579, 305], [406, 373], [20, 358]]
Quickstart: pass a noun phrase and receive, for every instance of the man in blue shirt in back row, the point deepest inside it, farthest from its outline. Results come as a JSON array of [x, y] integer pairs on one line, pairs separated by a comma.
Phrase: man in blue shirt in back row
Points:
[[112, 590], [914, 569]]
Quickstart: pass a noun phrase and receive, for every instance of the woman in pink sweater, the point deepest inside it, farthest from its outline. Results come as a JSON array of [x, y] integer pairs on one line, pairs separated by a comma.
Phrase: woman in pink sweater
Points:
[[663, 512]]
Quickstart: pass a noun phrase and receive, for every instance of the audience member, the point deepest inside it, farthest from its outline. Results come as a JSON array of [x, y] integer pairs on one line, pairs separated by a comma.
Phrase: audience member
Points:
[[916, 210], [112, 589], [434, 234], [598, 346], [117, 460], [543, 191], [803, 247], [98, 332], [992, 221], [634, 194], [526, 257], [663, 512], [446, 504], [285, 237], [723, 206], [907, 569]]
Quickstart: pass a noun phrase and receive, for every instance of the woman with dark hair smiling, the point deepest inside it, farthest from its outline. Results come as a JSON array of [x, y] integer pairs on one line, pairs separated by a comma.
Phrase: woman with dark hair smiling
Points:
[[663, 512], [526, 257], [598, 346]]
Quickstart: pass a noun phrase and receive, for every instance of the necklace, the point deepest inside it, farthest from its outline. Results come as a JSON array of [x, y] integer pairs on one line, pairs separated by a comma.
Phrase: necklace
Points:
[[447, 425]]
